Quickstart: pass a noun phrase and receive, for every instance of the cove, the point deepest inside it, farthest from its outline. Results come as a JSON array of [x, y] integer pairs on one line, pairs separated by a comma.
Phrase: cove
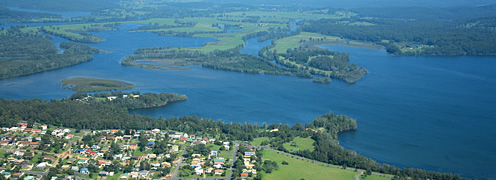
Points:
[[434, 113]]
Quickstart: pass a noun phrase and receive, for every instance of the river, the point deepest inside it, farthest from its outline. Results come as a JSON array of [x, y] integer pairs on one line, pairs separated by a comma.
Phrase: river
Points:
[[435, 113]]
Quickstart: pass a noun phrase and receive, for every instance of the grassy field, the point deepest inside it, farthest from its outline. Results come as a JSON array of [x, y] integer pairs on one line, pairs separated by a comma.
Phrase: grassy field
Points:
[[258, 141], [301, 144], [294, 41], [299, 169], [91, 84]]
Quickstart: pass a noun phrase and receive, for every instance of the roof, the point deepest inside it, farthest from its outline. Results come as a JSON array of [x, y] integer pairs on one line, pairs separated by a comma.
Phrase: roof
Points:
[[244, 174]]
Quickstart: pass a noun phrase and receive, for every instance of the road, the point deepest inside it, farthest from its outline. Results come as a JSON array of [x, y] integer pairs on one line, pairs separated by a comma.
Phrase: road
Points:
[[236, 145], [178, 165]]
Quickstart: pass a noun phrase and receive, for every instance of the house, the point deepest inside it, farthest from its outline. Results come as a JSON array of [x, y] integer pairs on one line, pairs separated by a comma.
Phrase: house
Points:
[[219, 171], [84, 171], [249, 153], [43, 165], [65, 167], [126, 137], [199, 170], [209, 170], [150, 144], [70, 161], [110, 98], [17, 175], [5, 174], [83, 162], [18, 153], [23, 144], [113, 131], [36, 131], [103, 173], [244, 175], [183, 139], [69, 136], [3, 137], [44, 127], [101, 163], [175, 148], [119, 138], [143, 173], [110, 138], [118, 156], [95, 147], [155, 131], [196, 155], [48, 157], [214, 153], [166, 164], [75, 168], [144, 157], [28, 130], [4, 143], [34, 144]]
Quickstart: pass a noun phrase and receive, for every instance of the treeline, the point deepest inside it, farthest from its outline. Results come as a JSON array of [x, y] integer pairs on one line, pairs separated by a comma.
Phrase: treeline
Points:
[[12, 15], [63, 5], [413, 37], [27, 55], [448, 13]]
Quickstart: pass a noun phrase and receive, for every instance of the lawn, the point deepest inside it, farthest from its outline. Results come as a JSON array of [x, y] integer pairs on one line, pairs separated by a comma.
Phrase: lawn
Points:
[[299, 169], [259, 140], [301, 144]]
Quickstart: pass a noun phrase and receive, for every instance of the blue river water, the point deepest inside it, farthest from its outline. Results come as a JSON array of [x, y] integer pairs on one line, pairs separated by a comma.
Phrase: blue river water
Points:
[[435, 113]]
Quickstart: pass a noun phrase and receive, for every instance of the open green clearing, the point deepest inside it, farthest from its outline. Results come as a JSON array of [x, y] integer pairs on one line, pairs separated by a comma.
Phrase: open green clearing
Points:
[[298, 169], [295, 41], [259, 140], [83, 84], [301, 144]]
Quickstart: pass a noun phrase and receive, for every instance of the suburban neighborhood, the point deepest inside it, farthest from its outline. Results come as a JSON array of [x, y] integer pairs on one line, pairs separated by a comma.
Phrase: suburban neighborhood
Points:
[[38, 151]]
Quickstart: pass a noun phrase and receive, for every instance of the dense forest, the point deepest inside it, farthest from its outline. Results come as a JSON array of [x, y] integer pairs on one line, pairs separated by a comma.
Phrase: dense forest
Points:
[[24, 54], [79, 115]]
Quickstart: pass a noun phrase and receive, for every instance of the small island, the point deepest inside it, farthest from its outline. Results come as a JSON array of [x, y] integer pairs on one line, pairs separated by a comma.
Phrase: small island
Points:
[[83, 84]]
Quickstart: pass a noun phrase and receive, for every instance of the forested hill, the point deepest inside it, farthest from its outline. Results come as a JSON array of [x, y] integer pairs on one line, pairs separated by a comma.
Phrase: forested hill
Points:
[[23, 54]]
